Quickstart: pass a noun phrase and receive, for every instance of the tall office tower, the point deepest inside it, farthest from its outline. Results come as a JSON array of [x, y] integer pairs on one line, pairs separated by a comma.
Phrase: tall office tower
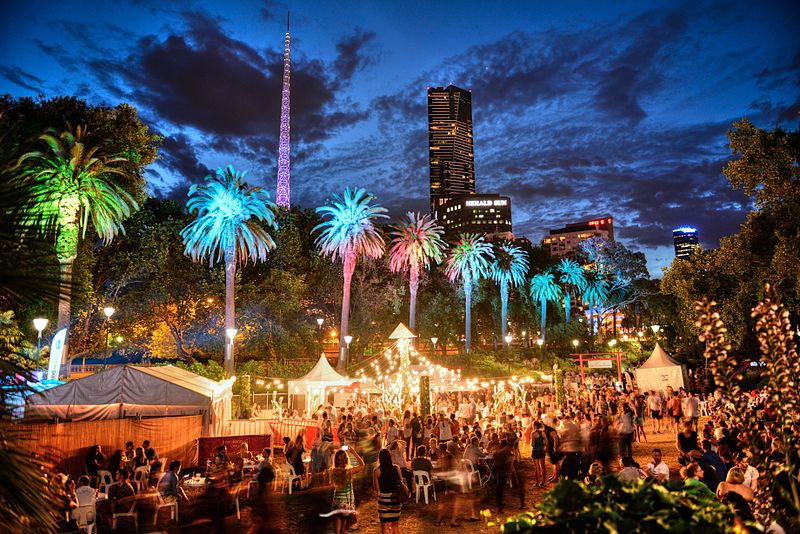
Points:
[[452, 162], [283, 196], [686, 241]]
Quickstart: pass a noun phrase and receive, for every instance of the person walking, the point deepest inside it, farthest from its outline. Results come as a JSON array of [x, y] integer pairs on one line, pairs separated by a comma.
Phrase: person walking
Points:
[[656, 405], [343, 506], [387, 481]]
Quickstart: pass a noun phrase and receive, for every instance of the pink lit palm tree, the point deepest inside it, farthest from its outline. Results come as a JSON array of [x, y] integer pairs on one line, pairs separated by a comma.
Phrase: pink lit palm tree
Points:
[[417, 242]]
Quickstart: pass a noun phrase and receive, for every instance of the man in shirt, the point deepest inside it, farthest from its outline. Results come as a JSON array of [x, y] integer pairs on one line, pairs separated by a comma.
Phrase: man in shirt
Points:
[[657, 470], [655, 404], [692, 411], [421, 463], [712, 458], [152, 456], [445, 431], [168, 486]]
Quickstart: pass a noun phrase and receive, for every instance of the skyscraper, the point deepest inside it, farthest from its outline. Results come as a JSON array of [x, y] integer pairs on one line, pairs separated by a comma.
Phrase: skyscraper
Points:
[[283, 195], [686, 241], [452, 162]]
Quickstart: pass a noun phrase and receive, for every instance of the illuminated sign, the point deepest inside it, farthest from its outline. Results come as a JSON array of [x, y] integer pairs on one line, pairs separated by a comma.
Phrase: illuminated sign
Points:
[[598, 222], [485, 203]]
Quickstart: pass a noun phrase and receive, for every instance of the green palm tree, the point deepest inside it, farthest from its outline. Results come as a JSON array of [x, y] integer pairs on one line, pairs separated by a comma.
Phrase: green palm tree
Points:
[[417, 242], [544, 288], [227, 228], [573, 278], [509, 268], [595, 292], [469, 262], [71, 186], [349, 232]]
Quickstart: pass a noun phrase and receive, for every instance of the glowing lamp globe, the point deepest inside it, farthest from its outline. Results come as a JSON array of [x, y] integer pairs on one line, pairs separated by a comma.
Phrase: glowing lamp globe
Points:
[[109, 311], [508, 339], [540, 342], [575, 343], [40, 324], [320, 320], [348, 339], [231, 333], [656, 328]]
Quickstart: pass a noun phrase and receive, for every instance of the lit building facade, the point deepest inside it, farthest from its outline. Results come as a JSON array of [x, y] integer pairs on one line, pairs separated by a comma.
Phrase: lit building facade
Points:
[[451, 158], [686, 241], [567, 239], [482, 214]]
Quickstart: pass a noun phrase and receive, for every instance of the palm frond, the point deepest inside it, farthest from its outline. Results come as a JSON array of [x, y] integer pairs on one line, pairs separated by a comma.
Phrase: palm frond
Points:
[[228, 216], [417, 242], [469, 258], [349, 225], [510, 265], [544, 287]]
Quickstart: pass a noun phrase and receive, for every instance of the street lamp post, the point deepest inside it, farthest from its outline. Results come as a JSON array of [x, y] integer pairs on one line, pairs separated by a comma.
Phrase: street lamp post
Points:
[[434, 340], [575, 343], [39, 324], [525, 338], [230, 333], [507, 339], [108, 311], [347, 340]]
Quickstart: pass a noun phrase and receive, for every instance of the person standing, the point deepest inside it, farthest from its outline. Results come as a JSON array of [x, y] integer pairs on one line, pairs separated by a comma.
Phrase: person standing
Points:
[[656, 405], [692, 412], [344, 501], [387, 481], [538, 444], [626, 430]]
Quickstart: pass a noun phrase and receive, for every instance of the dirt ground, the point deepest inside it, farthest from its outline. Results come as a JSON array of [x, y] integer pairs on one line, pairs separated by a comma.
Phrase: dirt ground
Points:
[[299, 513]]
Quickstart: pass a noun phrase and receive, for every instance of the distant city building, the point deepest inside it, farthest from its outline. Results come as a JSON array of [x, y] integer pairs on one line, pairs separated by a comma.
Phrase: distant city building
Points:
[[565, 240], [686, 241], [482, 214], [452, 162]]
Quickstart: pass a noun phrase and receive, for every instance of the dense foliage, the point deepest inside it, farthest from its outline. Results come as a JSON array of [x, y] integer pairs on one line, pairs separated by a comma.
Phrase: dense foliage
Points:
[[614, 506]]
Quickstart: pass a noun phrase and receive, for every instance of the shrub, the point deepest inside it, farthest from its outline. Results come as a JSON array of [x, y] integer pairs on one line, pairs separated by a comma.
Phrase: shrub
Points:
[[630, 507]]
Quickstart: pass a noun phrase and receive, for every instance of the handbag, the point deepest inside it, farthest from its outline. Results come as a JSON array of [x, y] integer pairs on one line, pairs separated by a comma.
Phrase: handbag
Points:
[[401, 493]]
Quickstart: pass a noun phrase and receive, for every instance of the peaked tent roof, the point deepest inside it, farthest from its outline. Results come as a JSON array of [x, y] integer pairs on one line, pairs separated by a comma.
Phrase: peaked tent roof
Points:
[[323, 372], [401, 332], [659, 358]]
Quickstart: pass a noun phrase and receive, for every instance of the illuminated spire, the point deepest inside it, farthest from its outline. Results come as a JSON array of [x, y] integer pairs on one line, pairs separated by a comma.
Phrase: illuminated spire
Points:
[[283, 196]]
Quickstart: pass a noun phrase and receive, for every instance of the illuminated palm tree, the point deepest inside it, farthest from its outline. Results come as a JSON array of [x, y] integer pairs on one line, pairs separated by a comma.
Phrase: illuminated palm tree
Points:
[[229, 226], [71, 186], [595, 292], [417, 242], [349, 232], [573, 277], [544, 288], [509, 268], [469, 262]]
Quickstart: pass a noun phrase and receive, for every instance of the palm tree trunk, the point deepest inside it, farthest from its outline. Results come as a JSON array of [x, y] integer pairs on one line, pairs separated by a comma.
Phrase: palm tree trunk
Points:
[[413, 286], [230, 309], [349, 267], [543, 319], [503, 312], [566, 305], [65, 308], [468, 313]]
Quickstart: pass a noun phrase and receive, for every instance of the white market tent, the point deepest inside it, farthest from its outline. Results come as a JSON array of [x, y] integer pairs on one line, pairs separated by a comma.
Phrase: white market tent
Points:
[[660, 371], [312, 386], [129, 391]]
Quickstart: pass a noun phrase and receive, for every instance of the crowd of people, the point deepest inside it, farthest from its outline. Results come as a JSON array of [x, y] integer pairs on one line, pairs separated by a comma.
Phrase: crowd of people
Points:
[[471, 443]]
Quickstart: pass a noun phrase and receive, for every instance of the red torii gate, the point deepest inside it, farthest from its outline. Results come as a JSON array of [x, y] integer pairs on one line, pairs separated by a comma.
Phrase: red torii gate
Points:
[[599, 356]]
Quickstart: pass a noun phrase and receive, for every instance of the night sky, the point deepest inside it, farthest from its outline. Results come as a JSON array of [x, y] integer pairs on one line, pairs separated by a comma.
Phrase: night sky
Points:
[[579, 110]]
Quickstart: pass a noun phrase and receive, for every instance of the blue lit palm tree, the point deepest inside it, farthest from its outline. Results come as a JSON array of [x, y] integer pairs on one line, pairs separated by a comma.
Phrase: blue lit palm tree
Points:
[[543, 289], [509, 268], [573, 278], [417, 242], [469, 262], [230, 222], [349, 232], [595, 293]]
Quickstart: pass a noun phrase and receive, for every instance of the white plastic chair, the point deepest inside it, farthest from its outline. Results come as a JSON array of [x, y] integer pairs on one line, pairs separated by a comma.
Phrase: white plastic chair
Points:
[[252, 482], [290, 476], [85, 517], [704, 409], [159, 476], [472, 472], [132, 513], [106, 481], [235, 497], [423, 481], [171, 505], [141, 477]]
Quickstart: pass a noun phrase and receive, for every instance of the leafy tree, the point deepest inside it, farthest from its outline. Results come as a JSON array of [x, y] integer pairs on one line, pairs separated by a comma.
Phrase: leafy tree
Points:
[[71, 184], [417, 242], [226, 228], [509, 268], [469, 262], [543, 288], [573, 278], [349, 232]]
